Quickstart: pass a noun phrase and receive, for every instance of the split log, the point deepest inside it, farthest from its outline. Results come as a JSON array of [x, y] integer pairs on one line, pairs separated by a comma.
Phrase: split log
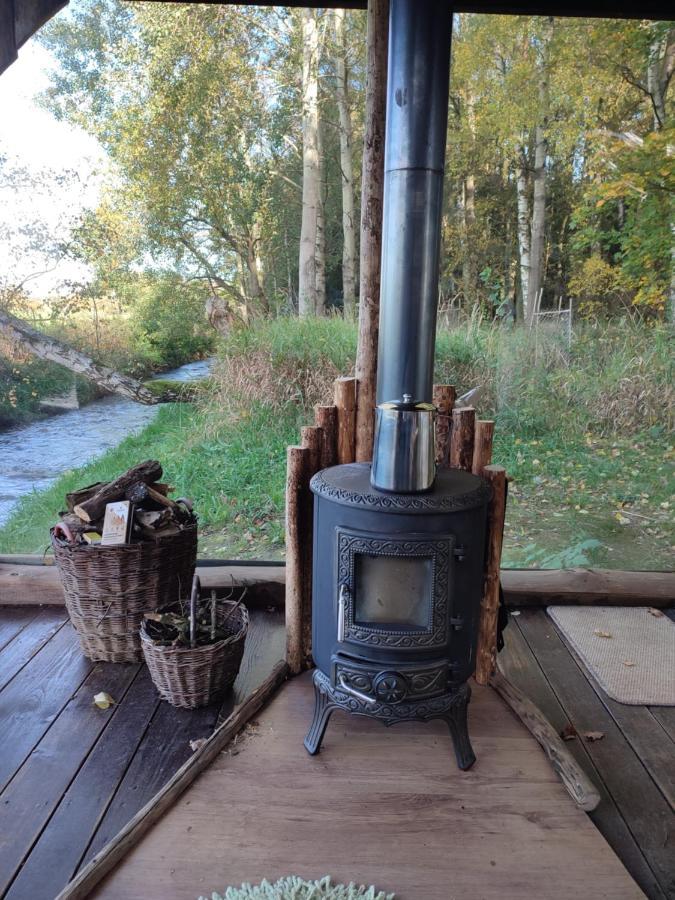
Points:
[[107, 858], [486, 652], [94, 508], [579, 786], [297, 465], [325, 418], [372, 192], [45, 347], [482, 445], [74, 498], [461, 438], [345, 400], [444, 401]]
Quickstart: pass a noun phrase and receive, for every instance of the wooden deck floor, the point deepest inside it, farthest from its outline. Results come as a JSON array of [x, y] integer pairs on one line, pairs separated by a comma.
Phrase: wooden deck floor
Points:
[[381, 806], [72, 775], [633, 766]]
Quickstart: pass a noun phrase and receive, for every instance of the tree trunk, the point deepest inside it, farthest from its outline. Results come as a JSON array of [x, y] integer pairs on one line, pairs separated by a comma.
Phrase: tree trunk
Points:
[[255, 289], [538, 228], [49, 348], [523, 229], [321, 230], [469, 216], [372, 185], [346, 168], [307, 299]]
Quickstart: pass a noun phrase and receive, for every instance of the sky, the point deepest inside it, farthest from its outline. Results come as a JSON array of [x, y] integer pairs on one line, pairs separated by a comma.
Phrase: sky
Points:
[[32, 138]]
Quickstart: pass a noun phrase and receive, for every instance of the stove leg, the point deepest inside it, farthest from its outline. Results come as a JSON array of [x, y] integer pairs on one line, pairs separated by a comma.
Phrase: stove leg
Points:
[[323, 709], [459, 732]]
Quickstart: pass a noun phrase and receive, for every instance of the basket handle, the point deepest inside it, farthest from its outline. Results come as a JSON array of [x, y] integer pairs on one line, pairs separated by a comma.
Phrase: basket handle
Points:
[[194, 600]]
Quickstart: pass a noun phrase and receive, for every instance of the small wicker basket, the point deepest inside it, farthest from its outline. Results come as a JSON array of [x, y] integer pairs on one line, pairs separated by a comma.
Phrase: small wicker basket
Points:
[[107, 589], [191, 677]]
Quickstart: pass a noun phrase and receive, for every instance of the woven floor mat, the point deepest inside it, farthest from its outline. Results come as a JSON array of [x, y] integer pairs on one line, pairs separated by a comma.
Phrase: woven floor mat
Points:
[[628, 650]]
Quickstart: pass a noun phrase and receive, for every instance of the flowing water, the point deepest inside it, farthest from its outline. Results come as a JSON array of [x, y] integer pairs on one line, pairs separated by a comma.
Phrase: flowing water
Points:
[[33, 456]]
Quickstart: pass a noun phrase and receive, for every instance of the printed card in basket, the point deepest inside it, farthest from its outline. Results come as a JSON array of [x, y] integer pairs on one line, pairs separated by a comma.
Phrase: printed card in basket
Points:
[[117, 523]]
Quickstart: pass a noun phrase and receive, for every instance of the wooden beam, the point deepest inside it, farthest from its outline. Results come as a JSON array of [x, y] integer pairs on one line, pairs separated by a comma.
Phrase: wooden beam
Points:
[[444, 400], [587, 587], [486, 650], [34, 585], [461, 438], [82, 885], [578, 785], [297, 466], [372, 190]]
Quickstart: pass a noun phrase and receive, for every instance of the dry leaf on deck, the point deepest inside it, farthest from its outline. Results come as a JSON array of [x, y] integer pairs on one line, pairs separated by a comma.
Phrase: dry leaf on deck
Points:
[[568, 733], [591, 736], [628, 663], [604, 634], [655, 612], [195, 745], [103, 700]]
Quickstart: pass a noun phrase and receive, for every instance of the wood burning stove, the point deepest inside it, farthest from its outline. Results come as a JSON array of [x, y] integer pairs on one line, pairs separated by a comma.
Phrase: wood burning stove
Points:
[[398, 554], [396, 587]]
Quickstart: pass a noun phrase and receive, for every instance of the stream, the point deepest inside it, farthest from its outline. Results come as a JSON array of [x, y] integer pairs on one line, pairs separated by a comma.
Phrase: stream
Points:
[[33, 456]]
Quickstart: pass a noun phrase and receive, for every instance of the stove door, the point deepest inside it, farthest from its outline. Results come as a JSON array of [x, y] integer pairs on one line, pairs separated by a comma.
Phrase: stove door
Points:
[[394, 593]]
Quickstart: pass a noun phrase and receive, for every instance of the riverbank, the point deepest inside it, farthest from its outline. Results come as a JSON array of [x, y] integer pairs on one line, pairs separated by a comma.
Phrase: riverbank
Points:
[[592, 475]]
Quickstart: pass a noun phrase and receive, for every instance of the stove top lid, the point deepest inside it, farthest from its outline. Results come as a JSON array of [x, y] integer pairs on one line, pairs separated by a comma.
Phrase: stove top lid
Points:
[[452, 491]]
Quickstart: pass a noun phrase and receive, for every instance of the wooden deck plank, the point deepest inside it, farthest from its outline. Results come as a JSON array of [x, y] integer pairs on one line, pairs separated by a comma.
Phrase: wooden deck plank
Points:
[[382, 806], [65, 839], [665, 716], [522, 668], [15, 655], [28, 801], [14, 619], [166, 744], [641, 803], [35, 697], [642, 731]]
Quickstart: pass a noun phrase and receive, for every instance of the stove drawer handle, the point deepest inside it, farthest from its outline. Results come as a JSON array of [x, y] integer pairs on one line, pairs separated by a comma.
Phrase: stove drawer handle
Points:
[[342, 612], [364, 698]]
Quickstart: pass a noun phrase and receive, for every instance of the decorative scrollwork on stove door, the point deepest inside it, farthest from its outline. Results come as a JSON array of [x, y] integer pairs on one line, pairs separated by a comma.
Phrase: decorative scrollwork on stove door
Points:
[[439, 551]]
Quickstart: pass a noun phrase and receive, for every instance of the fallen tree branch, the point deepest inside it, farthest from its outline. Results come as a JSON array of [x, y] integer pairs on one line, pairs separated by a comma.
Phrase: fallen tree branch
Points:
[[577, 783], [45, 347]]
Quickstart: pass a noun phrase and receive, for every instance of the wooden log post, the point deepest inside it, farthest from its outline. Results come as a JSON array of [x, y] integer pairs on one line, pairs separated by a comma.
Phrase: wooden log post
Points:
[[482, 445], [296, 468], [372, 190], [312, 441], [461, 438], [325, 417], [345, 400], [444, 400], [486, 653]]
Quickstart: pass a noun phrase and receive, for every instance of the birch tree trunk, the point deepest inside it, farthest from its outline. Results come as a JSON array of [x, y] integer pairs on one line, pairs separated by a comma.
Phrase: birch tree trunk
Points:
[[538, 228], [346, 168], [320, 269], [44, 347], [307, 281], [522, 184]]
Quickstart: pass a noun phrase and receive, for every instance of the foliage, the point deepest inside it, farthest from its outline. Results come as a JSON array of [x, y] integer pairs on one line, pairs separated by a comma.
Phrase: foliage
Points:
[[584, 439]]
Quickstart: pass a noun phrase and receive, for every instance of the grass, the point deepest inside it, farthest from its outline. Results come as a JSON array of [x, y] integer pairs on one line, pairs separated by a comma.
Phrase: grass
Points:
[[584, 437]]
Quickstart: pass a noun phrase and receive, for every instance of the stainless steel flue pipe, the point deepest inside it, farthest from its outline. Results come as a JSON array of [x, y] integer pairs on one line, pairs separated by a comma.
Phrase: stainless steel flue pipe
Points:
[[417, 117]]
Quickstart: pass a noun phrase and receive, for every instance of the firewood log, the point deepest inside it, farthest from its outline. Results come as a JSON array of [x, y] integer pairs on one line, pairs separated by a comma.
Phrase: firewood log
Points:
[[94, 507]]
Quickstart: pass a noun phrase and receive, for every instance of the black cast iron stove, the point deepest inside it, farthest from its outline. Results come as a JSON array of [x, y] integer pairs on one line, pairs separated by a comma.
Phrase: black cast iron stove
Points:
[[398, 548]]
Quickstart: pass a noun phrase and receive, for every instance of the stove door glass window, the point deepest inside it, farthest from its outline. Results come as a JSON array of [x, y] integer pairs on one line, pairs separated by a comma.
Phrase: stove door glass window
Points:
[[391, 590]]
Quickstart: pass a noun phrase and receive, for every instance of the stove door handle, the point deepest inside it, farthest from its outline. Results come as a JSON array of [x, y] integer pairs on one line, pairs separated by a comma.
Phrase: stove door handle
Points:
[[342, 612], [348, 689]]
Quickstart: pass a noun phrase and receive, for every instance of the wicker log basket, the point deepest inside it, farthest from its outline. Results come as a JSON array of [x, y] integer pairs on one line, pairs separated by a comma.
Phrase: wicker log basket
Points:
[[107, 589], [194, 676]]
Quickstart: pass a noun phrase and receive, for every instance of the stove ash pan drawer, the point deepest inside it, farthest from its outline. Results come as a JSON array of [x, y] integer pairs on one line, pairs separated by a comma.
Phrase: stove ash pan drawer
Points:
[[392, 684]]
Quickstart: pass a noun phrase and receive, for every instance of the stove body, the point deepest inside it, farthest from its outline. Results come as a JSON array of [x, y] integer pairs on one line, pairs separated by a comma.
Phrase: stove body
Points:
[[396, 582]]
